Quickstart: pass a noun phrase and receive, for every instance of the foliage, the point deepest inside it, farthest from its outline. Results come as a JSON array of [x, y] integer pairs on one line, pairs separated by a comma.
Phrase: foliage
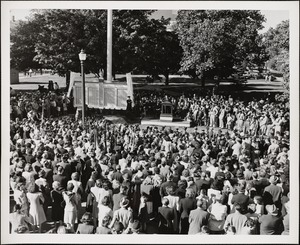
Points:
[[64, 33], [23, 38], [277, 46], [55, 37], [214, 41]]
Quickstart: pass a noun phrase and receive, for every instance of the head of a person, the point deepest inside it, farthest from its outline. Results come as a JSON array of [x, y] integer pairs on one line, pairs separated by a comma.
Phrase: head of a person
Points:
[[200, 203], [274, 179], [134, 226], [190, 193], [165, 201], [105, 201], [118, 227], [17, 208], [238, 207], [205, 230], [272, 210], [42, 173], [123, 189], [62, 229], [170, 190], [86, 218], [124, 203], [99, 183], [106, 221], [55, 185], [28, 167], [75, 176], [105, 185], [60, 169], [70, 187]]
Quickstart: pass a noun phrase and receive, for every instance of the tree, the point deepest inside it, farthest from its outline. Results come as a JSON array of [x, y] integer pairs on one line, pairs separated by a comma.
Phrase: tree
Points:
[[64, 33], [277, 42], [159, 51], [23, 39], [142, 44], [216, 41], [139, 43]]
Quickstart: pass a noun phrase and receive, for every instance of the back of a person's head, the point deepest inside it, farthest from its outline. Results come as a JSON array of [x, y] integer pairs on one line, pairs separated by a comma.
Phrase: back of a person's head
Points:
[[106, 220], [238, 207], [62, 230], [70, 186], [165, 201], [205, 230], [199, 203], [118, 227]]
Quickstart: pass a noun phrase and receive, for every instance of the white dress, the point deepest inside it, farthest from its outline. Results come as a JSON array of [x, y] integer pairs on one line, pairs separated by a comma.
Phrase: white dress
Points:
[[103, 211], [17, 220], [36, 212], [21, 199], [70, 215]]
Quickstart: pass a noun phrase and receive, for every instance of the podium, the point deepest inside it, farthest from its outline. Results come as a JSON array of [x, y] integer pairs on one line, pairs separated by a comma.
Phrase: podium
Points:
[[166, 111]]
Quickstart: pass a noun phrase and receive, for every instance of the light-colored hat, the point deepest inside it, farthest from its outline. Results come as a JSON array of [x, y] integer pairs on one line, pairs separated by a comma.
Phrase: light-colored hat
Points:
[[271, 209], [124, 202], [274, 179]]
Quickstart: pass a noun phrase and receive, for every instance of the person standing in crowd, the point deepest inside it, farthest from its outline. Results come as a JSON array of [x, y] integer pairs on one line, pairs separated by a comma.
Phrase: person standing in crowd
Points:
[[271, 223], [36, 212], [124, 215], [85, 227], [236, 219], [71, 203], [57, 202], [166, 218], [185, 206], [197, 218], [19, 221]]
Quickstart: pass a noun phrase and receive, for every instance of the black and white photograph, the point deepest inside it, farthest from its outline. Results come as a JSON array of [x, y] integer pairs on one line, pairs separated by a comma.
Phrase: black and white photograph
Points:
[[150, 122]]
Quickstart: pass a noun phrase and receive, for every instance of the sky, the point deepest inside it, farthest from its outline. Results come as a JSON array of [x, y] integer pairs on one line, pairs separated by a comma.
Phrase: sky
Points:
[[273, 17]]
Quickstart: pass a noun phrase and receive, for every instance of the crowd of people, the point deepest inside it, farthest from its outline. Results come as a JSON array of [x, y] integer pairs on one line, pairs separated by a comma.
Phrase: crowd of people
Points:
[[105, 178]]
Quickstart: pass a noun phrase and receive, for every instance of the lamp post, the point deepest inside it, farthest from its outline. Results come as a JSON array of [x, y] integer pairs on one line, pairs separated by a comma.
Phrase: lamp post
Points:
[[82, 58]]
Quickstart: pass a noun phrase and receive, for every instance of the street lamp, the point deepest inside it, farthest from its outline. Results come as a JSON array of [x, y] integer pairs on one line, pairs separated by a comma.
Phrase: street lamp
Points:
[[82, 58]]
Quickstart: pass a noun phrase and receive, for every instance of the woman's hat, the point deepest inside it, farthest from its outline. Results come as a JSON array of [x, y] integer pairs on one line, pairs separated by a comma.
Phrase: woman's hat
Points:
[[86, 217], [271, 209], [124, 202], [273, 179]]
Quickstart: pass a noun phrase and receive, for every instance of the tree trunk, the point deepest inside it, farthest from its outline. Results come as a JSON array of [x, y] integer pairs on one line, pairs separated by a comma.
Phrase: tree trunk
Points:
[[202, 78], [167, 79]]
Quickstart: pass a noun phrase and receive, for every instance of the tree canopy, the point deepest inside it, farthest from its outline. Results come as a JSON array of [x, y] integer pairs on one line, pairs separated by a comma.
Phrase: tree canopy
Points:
[[55, 37], [216, 41], [277, 41]]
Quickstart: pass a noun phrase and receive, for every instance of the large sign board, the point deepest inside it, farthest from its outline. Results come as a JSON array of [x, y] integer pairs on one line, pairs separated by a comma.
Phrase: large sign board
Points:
[[102, 95]]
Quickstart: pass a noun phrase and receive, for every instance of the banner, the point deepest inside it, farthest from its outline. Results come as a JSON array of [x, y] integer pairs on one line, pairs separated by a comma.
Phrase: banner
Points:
[[72, 78]]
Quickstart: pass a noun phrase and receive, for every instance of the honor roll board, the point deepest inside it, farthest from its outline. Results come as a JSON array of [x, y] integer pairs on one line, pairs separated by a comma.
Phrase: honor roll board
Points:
[[102, 95]]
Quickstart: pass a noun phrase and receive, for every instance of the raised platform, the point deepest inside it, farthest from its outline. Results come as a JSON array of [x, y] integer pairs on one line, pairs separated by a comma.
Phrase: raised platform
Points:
[[157, 122]]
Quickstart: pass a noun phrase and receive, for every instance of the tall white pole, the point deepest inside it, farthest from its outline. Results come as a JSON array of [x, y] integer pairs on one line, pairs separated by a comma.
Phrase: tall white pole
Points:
[[109, 46]]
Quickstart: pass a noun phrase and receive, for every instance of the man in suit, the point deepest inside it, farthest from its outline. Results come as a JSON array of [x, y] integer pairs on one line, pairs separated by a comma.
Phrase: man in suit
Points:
[[166, 218], [197, 218], [164, 185], [241, 198]]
